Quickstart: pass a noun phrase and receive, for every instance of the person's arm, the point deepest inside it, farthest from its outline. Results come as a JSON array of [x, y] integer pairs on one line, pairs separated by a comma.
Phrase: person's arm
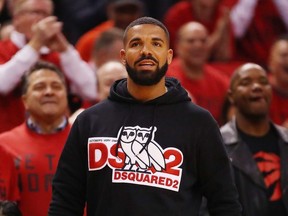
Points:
[[215, 173], [81, 76], [282, 6], [12, 71], [241, 15], [220, 43], [69, 183]]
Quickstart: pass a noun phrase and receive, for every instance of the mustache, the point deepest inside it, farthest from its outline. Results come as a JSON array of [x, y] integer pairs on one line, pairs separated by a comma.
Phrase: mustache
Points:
[[146, 58]]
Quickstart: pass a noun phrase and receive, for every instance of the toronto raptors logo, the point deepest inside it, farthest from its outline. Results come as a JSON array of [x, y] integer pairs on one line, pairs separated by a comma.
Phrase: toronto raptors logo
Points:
[[269, 165], [136, 158]]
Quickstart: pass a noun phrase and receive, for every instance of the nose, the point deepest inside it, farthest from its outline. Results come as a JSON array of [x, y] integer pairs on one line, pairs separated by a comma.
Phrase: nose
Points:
[[257, 86], [48, 90], [145, 50]]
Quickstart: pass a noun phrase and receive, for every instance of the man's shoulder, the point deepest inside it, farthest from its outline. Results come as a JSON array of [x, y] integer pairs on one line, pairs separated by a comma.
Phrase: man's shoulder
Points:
[[11, 133]]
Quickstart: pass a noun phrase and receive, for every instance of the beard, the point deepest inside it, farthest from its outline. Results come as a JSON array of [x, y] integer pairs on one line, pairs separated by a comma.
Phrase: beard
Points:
[[147, 78]]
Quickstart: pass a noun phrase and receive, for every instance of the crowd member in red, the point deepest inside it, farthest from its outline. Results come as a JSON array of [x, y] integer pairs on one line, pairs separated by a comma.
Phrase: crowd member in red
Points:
[[257, 148], [107, 74], [120, 13], [107, 47], [207, 85], [37, 36], [256, 25], [214, 15], [36, 144], [278, 77], [8, 177]]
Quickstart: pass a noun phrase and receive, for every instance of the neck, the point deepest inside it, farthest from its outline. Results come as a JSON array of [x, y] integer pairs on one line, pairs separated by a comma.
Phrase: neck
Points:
[[47, 126], [146, 93], [253, 127], [193, 71]]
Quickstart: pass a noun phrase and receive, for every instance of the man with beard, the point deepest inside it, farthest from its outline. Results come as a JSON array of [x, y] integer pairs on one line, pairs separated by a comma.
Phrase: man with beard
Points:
[[124, 155], [257, 148], [278, 77]]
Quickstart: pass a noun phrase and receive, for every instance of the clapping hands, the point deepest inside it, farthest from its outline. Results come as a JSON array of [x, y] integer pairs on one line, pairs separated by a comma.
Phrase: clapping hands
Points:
[[48, 32]]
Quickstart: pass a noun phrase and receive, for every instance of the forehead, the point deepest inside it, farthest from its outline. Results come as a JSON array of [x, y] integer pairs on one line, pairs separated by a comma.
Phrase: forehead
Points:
[[281, 46], [44, 75], [251, 72], [112, 72], [35, 4], [146, 31], [193, 32]]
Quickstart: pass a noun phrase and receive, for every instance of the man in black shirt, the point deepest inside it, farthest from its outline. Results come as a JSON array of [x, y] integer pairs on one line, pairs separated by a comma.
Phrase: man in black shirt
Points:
[[256, 146]]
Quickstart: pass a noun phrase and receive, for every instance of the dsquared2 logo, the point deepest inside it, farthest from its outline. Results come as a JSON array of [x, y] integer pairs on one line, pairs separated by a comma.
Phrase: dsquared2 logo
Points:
[[136, 158]]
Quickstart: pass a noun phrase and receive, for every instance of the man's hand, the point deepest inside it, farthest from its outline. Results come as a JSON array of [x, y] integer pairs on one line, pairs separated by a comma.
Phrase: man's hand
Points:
[[58, 43], [44, 31]]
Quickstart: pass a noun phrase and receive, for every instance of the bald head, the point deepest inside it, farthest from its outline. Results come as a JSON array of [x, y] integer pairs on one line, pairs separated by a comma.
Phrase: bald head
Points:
[[191, 27], [245, 67], [107, 74], [192, 44]]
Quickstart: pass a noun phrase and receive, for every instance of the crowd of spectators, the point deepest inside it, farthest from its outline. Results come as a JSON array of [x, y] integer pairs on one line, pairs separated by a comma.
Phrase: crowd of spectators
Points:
[[210, 39]]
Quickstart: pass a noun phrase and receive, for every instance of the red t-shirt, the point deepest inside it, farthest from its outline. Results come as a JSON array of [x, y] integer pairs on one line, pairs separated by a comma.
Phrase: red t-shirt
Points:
[[209, 92], [182, 12], [8, 177], [279, 107], [265, 27], [36, 157], [12, 111]]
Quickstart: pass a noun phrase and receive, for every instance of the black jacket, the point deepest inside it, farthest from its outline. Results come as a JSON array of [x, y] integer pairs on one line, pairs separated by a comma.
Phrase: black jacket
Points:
[[248, 178], [126, 157]]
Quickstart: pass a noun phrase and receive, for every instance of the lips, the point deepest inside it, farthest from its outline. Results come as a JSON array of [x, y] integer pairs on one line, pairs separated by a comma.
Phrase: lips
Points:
[[49, 102], [257, 99], [146, 63]]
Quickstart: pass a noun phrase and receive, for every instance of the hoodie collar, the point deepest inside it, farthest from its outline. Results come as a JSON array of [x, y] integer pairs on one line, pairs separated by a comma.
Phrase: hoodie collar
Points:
[[175, 94]]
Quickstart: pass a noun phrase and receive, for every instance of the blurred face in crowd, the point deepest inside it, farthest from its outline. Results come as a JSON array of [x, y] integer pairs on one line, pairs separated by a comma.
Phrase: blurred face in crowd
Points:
[[146, 54], [250, 91], [279, 62], [205, 3], [192, 44], [107, 75], [46, 97], [109, 53], [28, 12], [124, 14]]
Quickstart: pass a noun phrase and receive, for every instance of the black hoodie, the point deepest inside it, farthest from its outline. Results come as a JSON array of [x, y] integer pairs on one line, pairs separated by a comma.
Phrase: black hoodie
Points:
[[132, 158]]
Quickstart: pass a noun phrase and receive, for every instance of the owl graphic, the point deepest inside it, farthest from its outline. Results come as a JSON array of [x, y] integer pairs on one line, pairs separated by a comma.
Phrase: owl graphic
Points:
[[141, 151]]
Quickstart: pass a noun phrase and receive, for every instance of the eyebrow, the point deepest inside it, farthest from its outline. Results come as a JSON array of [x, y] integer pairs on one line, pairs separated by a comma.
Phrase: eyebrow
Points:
[[153, 39]]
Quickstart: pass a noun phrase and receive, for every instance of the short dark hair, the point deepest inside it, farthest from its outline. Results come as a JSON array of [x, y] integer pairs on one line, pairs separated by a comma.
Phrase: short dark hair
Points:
[[9, 208], [146, 20], [107, 38], [39, 66]]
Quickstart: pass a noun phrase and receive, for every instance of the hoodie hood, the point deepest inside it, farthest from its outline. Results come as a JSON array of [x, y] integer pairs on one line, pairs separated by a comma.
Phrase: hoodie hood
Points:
[[176, 93]]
